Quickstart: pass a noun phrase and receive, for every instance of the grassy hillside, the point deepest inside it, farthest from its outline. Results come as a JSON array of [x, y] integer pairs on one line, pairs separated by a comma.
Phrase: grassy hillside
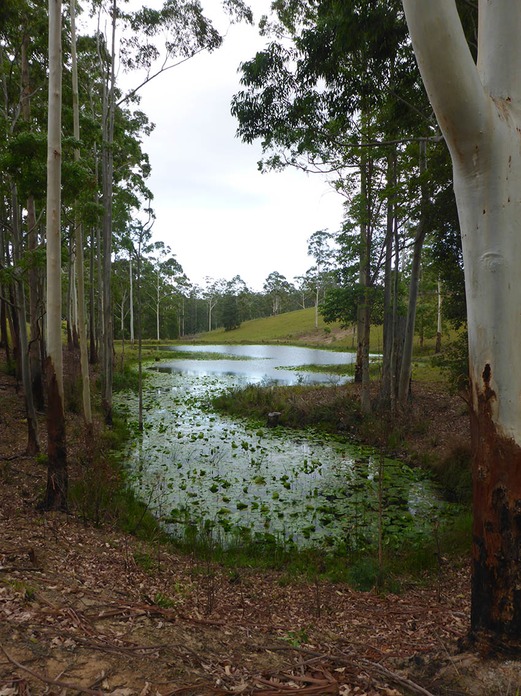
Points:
[[291, 327]]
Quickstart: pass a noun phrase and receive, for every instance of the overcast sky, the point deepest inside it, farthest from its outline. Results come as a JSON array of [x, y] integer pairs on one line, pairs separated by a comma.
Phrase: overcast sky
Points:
[[217, 212]]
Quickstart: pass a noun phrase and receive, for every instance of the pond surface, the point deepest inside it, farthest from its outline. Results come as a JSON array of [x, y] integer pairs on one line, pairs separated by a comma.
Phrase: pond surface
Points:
[[200, 470], [260, 364]]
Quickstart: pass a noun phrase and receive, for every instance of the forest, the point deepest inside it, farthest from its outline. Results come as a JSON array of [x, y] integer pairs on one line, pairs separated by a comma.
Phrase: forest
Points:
[[412, 118]]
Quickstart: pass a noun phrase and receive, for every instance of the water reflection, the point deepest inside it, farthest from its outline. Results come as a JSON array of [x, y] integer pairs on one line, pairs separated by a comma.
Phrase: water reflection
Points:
[[259, 364]]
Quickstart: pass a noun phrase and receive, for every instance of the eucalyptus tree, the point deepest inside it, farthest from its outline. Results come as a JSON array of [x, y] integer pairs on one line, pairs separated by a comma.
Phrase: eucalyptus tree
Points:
[[183, 31], [212, 292], [340, 98], [78, 238], [319, 247], [235, 303], [140, 234], [167, 271], [477, 104], [57, 474], [277, 287]]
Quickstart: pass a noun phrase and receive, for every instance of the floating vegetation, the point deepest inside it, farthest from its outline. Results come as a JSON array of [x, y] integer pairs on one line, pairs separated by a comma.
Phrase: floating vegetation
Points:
[[306, 489]]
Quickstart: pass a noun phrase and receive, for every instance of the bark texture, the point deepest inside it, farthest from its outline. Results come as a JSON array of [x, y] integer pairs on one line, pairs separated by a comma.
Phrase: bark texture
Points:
[[57, 476], [496, 566]]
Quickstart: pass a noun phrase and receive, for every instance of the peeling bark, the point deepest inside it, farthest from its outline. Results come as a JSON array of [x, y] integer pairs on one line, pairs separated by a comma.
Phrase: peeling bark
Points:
[[496, 534]]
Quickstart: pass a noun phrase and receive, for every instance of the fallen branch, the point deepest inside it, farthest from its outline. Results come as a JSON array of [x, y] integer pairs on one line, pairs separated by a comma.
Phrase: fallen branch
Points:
[[361, 662], [52, 682], [396, 678]]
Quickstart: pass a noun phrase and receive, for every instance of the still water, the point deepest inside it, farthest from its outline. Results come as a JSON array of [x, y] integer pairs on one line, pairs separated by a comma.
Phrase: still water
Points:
[[260, 364], [203, 471]]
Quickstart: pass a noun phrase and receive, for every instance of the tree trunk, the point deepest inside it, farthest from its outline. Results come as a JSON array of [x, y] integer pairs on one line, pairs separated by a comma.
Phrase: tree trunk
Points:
[[57, 484], [478, 109], [79, 256], [131, 301], [33, 443], [69, 298], [414, 284], [35, 347], [107, 176], [158, 305], [364, 310], [386, 400], [93, 352], [437, 349]]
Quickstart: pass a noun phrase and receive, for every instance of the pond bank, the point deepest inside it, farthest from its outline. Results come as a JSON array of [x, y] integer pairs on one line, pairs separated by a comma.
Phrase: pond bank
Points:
[[433, 433]]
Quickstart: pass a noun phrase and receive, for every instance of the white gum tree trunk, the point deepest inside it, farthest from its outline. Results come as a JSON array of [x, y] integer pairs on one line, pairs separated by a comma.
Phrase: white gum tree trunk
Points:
[[478, 108], [57, 476]]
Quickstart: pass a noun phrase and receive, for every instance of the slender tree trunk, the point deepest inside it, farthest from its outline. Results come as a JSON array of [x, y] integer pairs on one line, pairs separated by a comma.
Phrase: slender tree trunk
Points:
[[70, 285], [93, 353], [398, 321], [4, 334], [131, 300], [419, 237], [437, 349], [388, 327], [317, 297], [79, 257], [33, 443], [57, 475], [107, 176], [158, 302], [139, 338], [35, 347], [364, 311]]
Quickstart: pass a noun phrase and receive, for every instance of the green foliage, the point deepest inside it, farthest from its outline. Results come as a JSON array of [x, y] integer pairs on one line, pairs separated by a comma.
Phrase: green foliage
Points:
[[454, 475], [364, 574], [341, 304], [163, 601], [296, 638], [125, 377], [144, 560], [454, 362], [329, 407], [230, 316], [27, 591]]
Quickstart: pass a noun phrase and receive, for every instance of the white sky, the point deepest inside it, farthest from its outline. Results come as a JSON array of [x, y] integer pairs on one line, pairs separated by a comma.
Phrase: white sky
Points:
[[217, 212]]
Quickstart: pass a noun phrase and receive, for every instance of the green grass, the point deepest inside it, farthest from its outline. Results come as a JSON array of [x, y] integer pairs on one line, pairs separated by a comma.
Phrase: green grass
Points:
[[283, 328], [412, 563]]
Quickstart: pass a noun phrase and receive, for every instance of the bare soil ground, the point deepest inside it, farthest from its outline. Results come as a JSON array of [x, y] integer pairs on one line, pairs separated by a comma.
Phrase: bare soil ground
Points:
[[79, 614]]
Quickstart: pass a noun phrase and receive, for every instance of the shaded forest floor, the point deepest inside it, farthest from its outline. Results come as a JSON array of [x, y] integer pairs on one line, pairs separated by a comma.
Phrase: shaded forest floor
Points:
[[94, 611]]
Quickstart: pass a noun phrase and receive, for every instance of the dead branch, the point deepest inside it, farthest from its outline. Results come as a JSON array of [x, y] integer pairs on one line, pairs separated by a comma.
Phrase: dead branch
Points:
[[396, 678], [46, 680]]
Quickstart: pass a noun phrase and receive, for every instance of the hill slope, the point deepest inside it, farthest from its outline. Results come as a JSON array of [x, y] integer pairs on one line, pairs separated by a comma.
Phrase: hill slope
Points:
[[291, 327]]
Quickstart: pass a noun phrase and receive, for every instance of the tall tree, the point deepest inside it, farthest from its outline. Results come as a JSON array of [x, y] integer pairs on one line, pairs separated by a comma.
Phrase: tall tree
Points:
[[79, 256], [277, 287], [57, 475], [477, 105], [185, 31], [319, 248]]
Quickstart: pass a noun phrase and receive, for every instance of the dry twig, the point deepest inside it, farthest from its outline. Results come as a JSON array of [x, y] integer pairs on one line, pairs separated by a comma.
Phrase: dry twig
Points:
[[46, 680]]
